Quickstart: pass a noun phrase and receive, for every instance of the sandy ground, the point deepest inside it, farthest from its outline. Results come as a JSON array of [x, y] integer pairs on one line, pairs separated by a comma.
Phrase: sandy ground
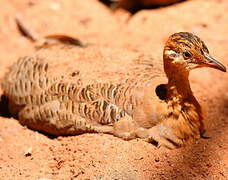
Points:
[[26, 154]]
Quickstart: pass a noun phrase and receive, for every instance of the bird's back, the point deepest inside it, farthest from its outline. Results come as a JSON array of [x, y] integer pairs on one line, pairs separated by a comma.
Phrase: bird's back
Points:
[[97, 67]]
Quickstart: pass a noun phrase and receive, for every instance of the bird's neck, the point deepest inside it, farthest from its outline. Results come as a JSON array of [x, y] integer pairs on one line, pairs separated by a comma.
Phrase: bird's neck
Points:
[[181, 95], [178, 82]]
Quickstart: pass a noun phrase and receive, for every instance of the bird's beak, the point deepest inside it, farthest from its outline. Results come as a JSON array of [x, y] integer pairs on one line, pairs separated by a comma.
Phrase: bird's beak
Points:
[[213, 63]]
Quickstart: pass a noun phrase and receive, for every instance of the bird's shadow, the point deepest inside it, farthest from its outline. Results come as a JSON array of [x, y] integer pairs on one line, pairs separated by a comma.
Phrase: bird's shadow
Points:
[[4, 111]]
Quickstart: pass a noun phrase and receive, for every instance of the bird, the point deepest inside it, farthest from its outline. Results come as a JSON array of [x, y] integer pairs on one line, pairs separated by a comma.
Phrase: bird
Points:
[[61, 90]]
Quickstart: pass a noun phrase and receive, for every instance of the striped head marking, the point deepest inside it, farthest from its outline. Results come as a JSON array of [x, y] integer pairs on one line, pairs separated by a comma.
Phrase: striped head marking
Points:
[[188, 51]]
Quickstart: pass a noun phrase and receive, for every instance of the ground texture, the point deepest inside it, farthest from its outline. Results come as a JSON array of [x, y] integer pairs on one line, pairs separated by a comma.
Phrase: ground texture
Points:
[[26, 154]]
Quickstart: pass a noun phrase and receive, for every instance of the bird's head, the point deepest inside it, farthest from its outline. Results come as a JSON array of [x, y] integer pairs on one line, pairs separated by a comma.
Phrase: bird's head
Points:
[[187, 51]]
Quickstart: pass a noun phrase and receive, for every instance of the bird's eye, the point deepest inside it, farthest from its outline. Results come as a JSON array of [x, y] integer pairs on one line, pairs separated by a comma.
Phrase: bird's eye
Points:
[[187, 54]]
